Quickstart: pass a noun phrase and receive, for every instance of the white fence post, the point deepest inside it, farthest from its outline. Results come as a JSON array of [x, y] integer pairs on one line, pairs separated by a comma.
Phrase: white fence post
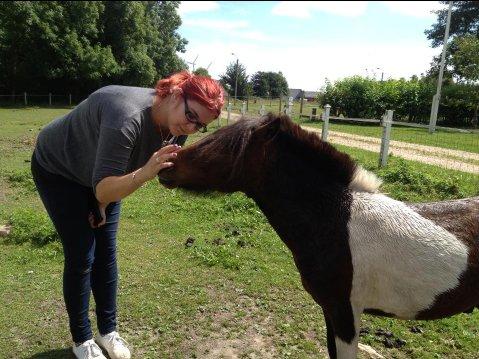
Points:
[[50, 99], [324, 132], [243, 108], [384, 152], [25, 98], [262, 110], [70, 99], [289, 109], [229, 113]]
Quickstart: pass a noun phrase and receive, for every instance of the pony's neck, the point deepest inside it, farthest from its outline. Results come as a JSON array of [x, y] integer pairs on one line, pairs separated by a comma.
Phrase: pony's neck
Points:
[[300, 210]]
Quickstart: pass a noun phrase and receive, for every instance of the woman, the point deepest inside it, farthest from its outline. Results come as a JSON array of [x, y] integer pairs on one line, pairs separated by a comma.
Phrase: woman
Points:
[[87, 161]]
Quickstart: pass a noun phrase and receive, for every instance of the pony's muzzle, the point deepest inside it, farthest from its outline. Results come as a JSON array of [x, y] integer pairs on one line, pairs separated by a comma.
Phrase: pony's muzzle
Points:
[[166, 177]]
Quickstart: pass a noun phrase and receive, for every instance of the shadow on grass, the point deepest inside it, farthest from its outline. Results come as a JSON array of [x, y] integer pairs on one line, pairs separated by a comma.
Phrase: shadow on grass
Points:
[[54, 354]]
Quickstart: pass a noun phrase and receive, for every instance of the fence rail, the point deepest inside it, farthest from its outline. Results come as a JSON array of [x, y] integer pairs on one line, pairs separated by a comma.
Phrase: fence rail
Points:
[[26, 96]]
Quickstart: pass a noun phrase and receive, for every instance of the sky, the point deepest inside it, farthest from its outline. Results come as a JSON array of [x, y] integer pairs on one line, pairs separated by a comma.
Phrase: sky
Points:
[[310, 41]]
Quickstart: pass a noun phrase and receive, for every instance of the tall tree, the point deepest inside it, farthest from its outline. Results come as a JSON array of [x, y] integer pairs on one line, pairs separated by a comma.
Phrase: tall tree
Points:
[[235, 74], [462, 56], [260, 84], [278, 84], [164, 45], [15, 17], [465, 60], [78, 46], [464, 22], [269, 84]]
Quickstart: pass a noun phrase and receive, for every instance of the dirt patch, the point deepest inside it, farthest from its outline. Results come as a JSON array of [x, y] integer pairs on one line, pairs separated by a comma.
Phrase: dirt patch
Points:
[[239, 329]]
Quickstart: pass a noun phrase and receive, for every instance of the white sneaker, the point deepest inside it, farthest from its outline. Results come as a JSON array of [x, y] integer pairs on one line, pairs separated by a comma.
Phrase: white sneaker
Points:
[[115, 345], [88, 350]]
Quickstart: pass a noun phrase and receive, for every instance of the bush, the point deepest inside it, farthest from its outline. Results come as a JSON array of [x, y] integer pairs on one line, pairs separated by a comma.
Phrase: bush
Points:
[[410, 181], [411, 100], [32, 226]]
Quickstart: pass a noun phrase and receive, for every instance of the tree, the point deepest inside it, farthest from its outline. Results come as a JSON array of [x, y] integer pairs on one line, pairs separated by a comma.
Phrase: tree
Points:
[[260, 84], [466, 65], [278, 84], [465, 60], [202, 72], [78, 46], [464, 22], [165, 42], [269, 84], [411, 100], [462, 55], [143, 39], [14, 31], [51, 45], [228, 79]]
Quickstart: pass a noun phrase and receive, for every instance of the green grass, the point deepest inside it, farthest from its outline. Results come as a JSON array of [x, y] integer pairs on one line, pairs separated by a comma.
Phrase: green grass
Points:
[[235, 286], [440, 138]]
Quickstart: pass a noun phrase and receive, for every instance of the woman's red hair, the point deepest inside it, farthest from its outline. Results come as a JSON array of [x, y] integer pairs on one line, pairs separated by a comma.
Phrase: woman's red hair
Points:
[[203, 89]]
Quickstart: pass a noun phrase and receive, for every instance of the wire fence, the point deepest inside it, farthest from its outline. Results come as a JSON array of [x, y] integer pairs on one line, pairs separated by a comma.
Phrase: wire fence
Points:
[[31, 99], [256, 105]]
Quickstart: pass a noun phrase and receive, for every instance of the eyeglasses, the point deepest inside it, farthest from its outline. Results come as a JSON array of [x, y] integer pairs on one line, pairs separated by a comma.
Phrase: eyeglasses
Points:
[[193, 118]]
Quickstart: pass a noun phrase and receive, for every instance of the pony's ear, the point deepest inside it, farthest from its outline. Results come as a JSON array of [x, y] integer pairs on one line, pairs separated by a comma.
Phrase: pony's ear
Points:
[[268, 128]]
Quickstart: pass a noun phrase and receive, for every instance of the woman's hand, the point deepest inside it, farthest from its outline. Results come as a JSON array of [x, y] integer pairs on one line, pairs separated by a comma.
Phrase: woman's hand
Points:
[[101, 212], [158, 161], [115, 188]]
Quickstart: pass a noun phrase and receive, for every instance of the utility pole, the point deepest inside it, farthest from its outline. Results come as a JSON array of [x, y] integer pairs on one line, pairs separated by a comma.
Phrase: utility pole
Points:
[[236, 80], [437, 97]]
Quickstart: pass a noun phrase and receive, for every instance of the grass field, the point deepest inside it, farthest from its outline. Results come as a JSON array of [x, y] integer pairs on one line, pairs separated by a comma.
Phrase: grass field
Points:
[[233, 292]]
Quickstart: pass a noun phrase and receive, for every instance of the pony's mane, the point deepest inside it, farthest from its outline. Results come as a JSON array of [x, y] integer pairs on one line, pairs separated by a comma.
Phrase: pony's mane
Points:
[[360, 179]]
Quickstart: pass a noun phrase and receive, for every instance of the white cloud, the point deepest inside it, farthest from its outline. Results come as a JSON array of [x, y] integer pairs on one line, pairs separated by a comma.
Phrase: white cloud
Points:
[[234, 29], [197, 6], [299, 9], [252, 35], [303, 9], [322, 60], [420, 9], [216, 24]]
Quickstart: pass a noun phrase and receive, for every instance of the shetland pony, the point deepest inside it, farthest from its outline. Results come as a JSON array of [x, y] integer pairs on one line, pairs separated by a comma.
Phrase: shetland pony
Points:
[[357, 250]]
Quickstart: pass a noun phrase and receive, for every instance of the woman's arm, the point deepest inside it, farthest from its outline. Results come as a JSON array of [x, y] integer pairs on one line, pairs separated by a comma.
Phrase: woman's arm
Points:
[[114, 188]]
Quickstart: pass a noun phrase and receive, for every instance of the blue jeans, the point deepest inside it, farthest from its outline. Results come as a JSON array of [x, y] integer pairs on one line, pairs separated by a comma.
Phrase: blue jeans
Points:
[[90, 254]]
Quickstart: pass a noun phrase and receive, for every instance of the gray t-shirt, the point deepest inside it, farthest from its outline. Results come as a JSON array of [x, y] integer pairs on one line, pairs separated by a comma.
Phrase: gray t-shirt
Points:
[[108, 134]]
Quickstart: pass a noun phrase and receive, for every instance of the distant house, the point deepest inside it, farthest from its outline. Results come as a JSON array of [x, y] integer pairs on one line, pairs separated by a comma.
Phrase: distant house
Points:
[[308, 95], [295, 93], [311, 95]]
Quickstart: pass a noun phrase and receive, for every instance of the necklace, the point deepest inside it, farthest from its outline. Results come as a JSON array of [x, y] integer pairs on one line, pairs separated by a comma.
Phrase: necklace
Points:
[[170, 139]]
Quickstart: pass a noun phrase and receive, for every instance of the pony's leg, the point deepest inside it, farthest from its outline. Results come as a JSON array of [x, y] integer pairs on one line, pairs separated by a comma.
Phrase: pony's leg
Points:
[[346, 322], [330, 336]]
